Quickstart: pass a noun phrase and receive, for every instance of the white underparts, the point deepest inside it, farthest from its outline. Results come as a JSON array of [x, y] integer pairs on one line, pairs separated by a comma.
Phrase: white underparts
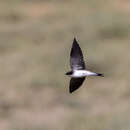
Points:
[[82, 73]]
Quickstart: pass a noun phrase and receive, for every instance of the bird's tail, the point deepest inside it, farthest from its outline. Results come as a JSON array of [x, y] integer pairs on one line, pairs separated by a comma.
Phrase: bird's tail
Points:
[[99, 74]]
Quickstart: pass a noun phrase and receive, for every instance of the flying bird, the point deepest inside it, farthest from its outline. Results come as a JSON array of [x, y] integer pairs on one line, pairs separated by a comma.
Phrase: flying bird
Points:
[[78, 71]]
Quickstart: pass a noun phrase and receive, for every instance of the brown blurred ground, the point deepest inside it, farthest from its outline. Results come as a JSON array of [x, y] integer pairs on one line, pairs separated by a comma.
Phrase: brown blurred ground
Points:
[[35, 41]]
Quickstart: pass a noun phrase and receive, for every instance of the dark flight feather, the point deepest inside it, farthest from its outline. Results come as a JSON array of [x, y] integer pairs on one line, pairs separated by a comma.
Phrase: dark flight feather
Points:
[[76, 57], [75, 83]]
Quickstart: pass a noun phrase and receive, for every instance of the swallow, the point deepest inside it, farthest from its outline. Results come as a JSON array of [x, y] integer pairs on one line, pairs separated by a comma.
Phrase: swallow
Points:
[[78, 71]]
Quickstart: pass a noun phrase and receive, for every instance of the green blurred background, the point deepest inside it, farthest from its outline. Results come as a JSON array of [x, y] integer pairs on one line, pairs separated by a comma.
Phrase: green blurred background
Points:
[[35, 41]]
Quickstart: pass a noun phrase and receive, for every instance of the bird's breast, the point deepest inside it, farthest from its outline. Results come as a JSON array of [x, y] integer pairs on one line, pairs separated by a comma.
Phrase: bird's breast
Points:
[[79, 73]]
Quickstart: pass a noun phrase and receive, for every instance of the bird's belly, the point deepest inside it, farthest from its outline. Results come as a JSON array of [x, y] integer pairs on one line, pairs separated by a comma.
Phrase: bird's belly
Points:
[[78, 74]]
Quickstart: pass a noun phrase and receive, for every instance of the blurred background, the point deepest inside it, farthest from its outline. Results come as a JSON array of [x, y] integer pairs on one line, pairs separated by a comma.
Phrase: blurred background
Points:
[[35, 41]]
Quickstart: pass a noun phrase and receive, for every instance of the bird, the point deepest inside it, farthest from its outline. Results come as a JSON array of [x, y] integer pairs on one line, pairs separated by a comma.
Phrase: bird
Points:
[[78, 71]]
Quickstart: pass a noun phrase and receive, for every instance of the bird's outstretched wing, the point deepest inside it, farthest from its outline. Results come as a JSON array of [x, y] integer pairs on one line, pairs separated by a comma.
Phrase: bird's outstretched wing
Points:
[[76, 57], [75, 83]]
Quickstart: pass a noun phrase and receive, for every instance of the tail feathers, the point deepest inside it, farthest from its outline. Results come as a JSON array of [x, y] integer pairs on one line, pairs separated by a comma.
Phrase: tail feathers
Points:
[[99, 74]]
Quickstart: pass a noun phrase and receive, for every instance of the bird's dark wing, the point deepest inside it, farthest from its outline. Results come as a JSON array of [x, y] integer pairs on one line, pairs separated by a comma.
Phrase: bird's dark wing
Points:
[[76, 57], [75, 83]]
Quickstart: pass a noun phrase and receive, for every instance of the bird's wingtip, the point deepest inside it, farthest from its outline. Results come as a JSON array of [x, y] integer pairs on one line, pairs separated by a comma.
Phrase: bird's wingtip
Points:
[[75, 38], [75, 41], [70, 91]]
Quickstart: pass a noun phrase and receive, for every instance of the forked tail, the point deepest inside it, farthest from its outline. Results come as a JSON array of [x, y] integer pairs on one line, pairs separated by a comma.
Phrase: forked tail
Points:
[[99, 74]]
